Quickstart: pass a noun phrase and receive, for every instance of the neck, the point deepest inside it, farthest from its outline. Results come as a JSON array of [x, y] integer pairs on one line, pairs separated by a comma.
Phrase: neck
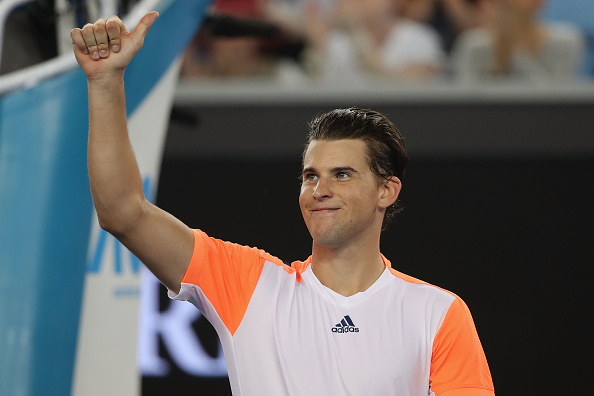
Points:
[[380, 28], [349, 270]]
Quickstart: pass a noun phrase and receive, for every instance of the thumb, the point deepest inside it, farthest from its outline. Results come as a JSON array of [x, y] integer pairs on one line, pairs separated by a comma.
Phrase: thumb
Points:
[[144, 25]]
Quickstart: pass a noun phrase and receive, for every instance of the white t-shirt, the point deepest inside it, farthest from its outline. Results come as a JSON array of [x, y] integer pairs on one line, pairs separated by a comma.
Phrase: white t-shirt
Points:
[[559, 58], [284, 333], [408, 43]]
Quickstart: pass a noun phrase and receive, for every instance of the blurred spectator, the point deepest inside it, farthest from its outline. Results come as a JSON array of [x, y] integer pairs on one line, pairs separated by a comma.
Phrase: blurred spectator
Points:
[[448, 17], [362, 39], [579, 13], [239, 38], [515, 45], [233, 55]]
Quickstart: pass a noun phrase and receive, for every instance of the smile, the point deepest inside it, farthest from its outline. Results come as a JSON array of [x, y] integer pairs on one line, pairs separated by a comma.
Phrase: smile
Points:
[[324, 210]]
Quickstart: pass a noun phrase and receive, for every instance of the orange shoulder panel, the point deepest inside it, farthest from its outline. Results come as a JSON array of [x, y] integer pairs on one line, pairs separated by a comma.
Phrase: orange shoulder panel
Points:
[[227, 274], [467, 392], [458, 364]]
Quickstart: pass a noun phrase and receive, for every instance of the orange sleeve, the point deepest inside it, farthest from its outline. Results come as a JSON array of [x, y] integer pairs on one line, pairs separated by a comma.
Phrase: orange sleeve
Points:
[[458, 364], [227, 274]]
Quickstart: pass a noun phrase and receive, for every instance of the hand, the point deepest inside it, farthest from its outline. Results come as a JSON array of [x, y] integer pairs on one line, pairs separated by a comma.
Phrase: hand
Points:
[[105, 48]]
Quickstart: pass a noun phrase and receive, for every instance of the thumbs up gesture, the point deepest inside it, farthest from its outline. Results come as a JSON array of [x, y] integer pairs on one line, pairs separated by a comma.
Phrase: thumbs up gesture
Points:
[[105, 48]]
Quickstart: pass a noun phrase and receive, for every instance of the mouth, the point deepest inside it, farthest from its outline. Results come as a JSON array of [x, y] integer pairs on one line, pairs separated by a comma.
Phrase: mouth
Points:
[[323, 210]]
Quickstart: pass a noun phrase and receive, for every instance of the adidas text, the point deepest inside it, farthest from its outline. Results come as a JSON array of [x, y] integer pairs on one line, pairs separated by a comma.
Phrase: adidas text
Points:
[[345, 329], [346, 325]]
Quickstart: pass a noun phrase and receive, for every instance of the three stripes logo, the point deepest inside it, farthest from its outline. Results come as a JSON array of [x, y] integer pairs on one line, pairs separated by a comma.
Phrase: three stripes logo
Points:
[[346, 325]]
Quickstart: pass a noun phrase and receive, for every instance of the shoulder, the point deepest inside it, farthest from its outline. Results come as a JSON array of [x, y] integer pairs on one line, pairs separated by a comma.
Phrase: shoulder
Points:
[[338, 39], [472, 55], [563, 33], [422, 288], [413, 27], [207, 248], [415, 30], [412, 42]]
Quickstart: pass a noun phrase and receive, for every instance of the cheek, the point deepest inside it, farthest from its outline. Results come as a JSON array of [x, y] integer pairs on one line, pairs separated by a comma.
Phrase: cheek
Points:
[[302, 197], [368, 197]]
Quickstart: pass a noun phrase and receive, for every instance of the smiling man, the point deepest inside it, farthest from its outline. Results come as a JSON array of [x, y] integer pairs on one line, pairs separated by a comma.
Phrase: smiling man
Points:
[[342, 322], [343, 201]]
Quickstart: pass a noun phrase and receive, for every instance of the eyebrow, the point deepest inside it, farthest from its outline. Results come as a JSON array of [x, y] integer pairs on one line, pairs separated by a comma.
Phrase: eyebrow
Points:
[[344, 169], [309, 169], [338, 169]]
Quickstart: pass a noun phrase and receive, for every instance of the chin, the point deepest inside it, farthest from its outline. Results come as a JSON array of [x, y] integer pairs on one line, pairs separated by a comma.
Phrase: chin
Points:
[[328, 239]]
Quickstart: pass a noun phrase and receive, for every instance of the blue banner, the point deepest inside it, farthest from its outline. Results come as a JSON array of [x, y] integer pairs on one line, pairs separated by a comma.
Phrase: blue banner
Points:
[[45, 208]]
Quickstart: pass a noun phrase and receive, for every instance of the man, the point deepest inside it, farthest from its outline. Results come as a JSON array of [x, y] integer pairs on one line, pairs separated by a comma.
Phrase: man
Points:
[[360, 40], [343, 322]]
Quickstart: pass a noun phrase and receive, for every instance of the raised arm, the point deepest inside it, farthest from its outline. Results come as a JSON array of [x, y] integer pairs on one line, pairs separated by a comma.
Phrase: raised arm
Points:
[[163, 243]]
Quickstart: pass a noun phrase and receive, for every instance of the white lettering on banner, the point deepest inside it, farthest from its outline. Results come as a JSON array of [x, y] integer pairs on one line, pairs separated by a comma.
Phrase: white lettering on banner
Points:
[[120, 253], [174, 326], [108, 329]]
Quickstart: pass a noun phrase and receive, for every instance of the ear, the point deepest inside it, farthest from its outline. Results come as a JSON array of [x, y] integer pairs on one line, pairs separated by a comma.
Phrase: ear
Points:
[[389, 191]]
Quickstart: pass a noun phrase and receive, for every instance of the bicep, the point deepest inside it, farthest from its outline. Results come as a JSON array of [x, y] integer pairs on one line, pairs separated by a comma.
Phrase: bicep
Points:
[[163, 243]]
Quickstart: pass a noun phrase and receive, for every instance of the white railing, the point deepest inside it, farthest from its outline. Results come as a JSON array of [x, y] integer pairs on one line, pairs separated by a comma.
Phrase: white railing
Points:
[[30, 76]]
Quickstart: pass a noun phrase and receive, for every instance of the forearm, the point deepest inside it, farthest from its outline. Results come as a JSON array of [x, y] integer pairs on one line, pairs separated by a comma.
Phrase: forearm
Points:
[[115, 180]]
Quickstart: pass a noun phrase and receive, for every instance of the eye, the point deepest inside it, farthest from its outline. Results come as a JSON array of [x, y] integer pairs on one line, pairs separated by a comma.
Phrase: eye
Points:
[[309, 177], [343, 175]]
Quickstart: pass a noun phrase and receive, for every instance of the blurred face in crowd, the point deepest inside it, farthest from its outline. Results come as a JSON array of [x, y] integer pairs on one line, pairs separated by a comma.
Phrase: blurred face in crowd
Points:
[[525, 7], [235, 56], [366, 11]]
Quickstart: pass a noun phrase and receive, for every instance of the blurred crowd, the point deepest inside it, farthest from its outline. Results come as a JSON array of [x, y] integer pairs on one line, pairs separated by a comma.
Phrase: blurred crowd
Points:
[[347, 41], [408, 41]]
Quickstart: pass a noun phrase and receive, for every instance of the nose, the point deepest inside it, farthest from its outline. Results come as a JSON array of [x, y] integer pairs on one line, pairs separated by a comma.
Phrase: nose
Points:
[[322, 189]]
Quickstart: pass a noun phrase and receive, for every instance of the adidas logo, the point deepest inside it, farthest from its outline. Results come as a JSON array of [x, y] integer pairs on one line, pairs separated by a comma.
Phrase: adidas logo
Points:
[[346, 325]]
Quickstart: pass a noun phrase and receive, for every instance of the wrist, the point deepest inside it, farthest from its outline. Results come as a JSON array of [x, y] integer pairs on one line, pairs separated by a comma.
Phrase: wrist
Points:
[[105, 80]]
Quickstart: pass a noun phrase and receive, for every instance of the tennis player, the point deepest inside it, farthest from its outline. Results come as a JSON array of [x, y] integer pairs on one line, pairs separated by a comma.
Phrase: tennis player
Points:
[[342, 322]]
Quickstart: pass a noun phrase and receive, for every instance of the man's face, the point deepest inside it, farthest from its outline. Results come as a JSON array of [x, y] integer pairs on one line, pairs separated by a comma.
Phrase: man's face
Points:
[[341, 199], [365, 11], [525, 7]]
